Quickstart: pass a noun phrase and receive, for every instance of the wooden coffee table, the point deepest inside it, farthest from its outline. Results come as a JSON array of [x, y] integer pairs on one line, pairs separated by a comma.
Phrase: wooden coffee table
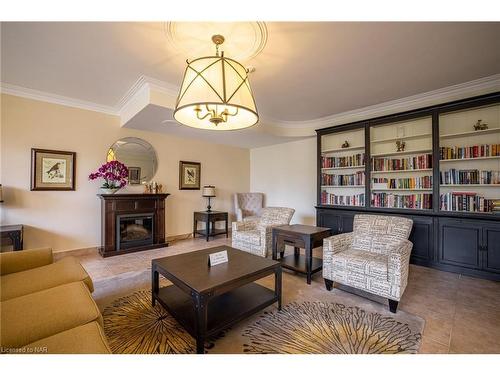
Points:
[[300, 237], [207, 300]]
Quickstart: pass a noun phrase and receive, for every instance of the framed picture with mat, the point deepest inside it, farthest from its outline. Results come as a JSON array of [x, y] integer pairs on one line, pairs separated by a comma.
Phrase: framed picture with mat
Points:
[[52, 169]]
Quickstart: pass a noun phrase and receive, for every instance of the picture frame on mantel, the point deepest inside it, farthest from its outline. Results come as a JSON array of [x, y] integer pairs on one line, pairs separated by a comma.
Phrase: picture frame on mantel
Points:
[[52, 169], [189, 175]]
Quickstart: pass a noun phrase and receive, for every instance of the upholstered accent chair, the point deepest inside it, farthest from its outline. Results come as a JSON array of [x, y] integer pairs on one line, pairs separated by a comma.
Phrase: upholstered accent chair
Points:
[[255, 236], [374, 257], [248, 206]]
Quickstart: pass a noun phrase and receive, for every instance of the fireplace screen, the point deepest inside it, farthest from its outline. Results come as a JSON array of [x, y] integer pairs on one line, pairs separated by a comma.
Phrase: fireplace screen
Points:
[[134, 230]]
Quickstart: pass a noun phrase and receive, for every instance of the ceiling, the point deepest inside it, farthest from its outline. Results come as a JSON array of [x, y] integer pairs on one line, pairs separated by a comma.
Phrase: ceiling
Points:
[[304, 71]]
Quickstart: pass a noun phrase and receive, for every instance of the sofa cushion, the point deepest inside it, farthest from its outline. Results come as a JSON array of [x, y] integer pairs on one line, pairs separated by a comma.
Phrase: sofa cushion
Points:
[[362, 263], [65, 271], [86, 339], [45, 313], [249, 236], [17, 261]]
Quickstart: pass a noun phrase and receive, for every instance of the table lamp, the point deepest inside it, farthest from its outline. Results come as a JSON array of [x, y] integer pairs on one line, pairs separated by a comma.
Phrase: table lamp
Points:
[[208, 192]]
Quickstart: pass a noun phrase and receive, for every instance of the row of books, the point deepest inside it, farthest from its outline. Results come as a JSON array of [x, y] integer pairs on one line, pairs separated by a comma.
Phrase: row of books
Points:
[[423, 161], [342, 200], [354, 179], [424, 182], [356, 160], [469, 152], [469, 176], [390, 200], [465, 201]]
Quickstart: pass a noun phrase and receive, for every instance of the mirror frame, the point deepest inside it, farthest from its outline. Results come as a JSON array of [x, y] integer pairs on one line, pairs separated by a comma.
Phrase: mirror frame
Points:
[[127, 140]]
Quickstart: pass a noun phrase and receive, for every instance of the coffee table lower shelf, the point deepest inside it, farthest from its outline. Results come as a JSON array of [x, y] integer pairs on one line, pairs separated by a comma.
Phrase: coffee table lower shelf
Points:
[[223, 310]]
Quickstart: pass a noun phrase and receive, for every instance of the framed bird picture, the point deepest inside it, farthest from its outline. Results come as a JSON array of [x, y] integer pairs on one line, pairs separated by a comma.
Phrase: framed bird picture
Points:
[[52, 169], [189, 175]]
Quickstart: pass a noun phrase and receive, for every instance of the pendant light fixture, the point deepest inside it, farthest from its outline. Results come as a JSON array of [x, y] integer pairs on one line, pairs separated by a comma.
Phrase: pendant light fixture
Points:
[[216, 94]]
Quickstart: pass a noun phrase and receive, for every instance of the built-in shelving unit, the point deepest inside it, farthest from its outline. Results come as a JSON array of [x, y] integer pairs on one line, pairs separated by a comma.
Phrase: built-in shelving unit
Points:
[[430, 165], [409, 154], [342, 178], [467, 156]]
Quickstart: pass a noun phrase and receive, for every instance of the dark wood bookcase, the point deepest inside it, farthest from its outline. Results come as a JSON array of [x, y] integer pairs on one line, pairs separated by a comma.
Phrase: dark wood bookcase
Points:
[[444, 238]]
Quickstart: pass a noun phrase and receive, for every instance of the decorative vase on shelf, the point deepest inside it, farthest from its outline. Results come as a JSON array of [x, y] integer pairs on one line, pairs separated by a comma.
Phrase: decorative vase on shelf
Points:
[[114, 174], [109, 190]]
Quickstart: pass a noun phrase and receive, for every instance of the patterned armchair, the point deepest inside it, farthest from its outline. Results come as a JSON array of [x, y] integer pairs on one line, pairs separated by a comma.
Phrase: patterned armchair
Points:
[[256, 236], [248, 206], [374, 257]]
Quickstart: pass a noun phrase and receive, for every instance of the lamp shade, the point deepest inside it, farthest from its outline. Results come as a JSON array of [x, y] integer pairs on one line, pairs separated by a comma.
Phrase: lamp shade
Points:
[[216, 95], [208, 191]]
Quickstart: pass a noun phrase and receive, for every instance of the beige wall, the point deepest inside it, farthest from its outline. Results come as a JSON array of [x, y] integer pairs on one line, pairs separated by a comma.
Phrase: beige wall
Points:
[[286, 173], [70, 219]]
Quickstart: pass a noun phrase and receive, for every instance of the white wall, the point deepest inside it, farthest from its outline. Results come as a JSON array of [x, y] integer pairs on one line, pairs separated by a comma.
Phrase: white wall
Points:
[[67, 220], [286, 173]]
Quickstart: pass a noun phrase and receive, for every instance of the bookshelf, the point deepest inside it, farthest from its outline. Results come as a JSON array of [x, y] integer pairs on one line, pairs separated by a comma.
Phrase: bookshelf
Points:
[[449, 195], [342, 177], [469, 160], [403, 148]]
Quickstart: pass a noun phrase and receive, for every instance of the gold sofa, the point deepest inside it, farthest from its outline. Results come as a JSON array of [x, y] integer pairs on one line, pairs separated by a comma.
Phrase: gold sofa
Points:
[[47, 306]]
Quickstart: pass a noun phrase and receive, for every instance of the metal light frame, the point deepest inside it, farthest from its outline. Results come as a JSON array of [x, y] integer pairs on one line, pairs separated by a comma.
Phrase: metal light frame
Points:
[[216, 116]]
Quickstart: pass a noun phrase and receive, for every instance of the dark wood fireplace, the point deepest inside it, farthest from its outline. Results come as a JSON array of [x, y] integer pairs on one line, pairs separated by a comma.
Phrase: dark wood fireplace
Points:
[[132, 222]]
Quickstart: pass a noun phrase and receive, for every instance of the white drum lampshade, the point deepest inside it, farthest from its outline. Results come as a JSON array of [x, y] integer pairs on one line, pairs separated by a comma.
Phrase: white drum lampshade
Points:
[[216, 94], [208, 192]]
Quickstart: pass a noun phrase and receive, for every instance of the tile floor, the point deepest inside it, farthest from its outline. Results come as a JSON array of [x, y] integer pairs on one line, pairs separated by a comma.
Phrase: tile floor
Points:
[[462, 313]]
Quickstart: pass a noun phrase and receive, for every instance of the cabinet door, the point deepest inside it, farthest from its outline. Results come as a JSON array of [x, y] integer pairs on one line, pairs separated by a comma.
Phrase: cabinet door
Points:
[[347, 222], [422, 237], [330, 219], [491, 242], [460, 242]]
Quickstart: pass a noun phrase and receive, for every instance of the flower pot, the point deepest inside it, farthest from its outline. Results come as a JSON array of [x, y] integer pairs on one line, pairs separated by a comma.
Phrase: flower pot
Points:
[[109, 191]]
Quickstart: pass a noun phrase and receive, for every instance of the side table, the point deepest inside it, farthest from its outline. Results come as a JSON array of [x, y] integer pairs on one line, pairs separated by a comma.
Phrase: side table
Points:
[[14, 233], [210, 218], [299, 236]]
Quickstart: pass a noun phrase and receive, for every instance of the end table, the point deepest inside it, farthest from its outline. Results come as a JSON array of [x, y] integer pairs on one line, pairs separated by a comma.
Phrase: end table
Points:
[[210, 218], [299, 236], [13, 233]]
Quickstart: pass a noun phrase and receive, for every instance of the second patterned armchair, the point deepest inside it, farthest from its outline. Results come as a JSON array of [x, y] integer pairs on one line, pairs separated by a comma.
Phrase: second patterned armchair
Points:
[[256, 236], [374, 257]]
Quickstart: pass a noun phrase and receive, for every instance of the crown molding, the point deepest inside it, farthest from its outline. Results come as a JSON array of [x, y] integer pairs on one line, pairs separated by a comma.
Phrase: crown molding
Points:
[[140, 84], [24, 92], [460, 91], [144, 84]]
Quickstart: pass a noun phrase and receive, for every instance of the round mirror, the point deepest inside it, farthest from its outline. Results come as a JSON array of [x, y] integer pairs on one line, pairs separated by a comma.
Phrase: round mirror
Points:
[[139, 157]]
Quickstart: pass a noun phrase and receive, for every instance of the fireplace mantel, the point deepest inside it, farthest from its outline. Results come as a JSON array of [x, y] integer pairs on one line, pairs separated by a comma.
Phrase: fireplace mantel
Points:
[[114, 206]]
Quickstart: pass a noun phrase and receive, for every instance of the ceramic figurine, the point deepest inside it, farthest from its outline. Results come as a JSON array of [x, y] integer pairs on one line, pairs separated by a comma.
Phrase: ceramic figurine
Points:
[[400, 145], [345, 144], [480, 126]]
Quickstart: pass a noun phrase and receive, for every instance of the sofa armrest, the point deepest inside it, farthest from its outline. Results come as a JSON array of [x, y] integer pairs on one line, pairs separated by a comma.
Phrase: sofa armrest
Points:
[[17, 261], [399, 263], [243, 225], [336, 244]]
